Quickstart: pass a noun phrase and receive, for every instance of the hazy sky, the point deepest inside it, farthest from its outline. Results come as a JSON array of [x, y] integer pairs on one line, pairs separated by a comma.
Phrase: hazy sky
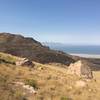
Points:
[[65, 21]]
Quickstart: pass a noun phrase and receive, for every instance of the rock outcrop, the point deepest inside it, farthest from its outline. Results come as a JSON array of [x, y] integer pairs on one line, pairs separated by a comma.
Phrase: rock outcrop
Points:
[[24, 62], [80, 68], [33, 50], [27, 88]]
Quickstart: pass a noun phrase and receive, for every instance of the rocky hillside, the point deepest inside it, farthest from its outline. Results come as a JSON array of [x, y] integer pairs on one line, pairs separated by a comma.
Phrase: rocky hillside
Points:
[[28, 47], [44, 82]]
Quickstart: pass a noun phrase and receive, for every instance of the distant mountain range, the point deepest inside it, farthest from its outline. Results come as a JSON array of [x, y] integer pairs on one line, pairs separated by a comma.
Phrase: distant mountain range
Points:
[[52, 43]]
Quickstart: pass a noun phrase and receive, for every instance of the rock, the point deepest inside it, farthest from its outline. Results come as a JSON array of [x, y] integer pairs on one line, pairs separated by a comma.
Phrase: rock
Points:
[[70, 87], [80, 84], [27, 88], [24, 62], [18, 83], [90, 90], [80, 68], [40, 68]]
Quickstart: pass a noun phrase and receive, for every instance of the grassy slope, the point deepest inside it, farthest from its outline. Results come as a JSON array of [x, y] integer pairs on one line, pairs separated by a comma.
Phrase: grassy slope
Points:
[[53, 83]]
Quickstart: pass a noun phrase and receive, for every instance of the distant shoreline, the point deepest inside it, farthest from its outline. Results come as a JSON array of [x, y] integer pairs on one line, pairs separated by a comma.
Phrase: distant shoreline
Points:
[[86, 55]]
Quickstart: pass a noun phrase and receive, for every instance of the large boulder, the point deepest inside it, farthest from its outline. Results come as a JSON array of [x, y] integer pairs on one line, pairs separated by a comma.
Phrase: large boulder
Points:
[[80, 68]]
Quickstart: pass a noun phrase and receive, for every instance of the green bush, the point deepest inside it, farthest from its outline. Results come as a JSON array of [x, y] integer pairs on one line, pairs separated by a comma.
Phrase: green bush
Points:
[[31, 82], [65, 98]]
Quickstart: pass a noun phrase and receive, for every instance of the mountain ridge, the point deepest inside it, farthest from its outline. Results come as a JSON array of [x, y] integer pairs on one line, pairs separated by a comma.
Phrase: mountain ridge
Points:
[[21, 46]]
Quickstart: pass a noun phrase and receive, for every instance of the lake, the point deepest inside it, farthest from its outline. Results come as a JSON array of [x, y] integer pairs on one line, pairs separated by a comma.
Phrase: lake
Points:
[[77, 49]]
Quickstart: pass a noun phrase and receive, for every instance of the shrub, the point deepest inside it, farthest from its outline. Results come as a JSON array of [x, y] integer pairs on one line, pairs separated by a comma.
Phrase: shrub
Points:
[[18, 95], [31, 82], [65, 98]]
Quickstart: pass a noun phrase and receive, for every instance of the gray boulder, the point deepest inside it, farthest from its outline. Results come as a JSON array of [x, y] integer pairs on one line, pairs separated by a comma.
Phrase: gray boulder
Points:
[[25, 62]]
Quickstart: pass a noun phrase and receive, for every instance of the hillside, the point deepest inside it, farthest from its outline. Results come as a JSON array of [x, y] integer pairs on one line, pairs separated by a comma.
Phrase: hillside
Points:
[[50, 82], [54, 75], [28, 47]]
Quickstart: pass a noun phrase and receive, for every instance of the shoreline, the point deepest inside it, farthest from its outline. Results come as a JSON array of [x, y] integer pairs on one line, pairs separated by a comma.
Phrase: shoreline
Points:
[[86, 55]]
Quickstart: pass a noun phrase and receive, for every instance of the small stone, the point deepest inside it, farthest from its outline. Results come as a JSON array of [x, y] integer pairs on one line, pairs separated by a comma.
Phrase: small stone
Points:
[[40, 68], [90, 90], [70, 87], [80, 84]]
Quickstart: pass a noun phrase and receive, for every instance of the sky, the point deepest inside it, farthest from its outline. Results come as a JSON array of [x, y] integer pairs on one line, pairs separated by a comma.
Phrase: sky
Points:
[[63, 21]]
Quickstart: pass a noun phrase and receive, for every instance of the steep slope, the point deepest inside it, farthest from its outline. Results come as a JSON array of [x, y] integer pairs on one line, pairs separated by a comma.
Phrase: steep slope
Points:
[[28, 47]]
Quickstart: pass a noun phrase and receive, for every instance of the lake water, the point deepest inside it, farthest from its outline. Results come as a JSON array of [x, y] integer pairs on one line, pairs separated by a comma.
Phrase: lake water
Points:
[[77, 49]]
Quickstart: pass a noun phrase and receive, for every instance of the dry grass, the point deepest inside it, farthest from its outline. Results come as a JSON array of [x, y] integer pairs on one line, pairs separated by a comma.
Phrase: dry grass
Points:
[[8, 57], [53, 83]]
